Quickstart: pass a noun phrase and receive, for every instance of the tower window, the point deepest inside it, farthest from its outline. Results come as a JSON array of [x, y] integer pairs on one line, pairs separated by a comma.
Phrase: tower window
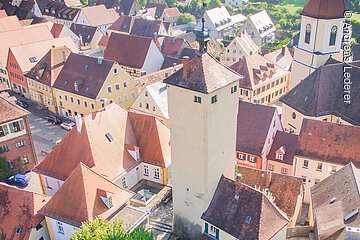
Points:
[[197, 99], [333, 36], [307, 33], [214, 99]]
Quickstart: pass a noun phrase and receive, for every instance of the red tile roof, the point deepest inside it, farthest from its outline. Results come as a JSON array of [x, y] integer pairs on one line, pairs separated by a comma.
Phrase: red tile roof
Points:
[[110, 159], [284, 188], [18, 208], [48, 68], [234, 202], [172, 46], [78, 200], [3, 13], [203, 74], [56, 29], [324, 9], [329, 142], [123, 24], [10, 111], [172, 12], [127, 50]]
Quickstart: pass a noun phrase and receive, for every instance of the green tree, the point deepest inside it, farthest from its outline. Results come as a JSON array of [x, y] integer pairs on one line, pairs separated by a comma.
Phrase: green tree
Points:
[[142, 3], [5, 171], [100, 229], [186, 18]]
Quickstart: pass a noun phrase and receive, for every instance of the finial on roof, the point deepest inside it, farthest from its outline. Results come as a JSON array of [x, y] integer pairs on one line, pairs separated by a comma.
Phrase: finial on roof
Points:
[[202, 36]]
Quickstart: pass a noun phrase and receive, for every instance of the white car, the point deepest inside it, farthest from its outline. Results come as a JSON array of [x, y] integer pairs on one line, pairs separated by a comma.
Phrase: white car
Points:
[[67, 125]]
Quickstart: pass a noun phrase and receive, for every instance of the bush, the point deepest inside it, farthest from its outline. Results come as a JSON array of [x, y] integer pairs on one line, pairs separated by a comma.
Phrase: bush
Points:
[[5, 171]]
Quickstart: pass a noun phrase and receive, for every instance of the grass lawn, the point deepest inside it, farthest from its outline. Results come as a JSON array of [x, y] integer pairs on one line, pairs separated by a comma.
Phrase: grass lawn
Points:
[[292, 8], [356, 16]]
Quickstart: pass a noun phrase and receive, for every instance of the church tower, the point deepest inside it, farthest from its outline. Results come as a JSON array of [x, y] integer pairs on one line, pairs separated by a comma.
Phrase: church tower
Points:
[[321, 35], [203, 106]]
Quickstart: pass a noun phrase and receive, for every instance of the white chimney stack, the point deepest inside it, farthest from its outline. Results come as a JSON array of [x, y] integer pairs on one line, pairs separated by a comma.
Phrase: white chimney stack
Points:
[[78, 120], [100, 60]]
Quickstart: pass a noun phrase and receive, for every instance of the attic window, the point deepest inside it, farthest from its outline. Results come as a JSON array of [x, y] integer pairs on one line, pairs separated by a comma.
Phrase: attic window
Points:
[[248, 219], [109, 137], [33, 59], [86, 66], [332, 200], [65, 83], [18, 230], [87, 89]]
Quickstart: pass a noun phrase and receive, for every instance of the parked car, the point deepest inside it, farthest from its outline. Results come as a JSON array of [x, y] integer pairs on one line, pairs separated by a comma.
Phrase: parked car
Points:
[[68, 125], [19, 180], [53, 119], [22, 103]]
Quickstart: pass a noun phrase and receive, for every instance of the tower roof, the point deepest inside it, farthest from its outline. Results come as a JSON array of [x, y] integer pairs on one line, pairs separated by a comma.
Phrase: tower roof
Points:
[[203, 74], [324, 9]]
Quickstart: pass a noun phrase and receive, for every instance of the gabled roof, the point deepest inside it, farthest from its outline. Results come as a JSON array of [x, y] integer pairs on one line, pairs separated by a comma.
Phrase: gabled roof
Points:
[[245, 42], [159, 8], [233, 203], [333, 199], [324, 9], [21, 37], [256, 70], [158, 76], [253, 124], [108, 158], [153, 138], [172, 46], [10, 111], [85, 72], [203, 74], [60, 10], [99, 15], [127, 50], [330, 142], [172, 12], [126, 5], [281, 57], [86, 32], [145, 28], [123, 24], [322, 93], [287, 140], [10, 23], [262, 23], [79, 198], [218, 14], [284, 188], [48, 68], [37, 50], [19, 208]]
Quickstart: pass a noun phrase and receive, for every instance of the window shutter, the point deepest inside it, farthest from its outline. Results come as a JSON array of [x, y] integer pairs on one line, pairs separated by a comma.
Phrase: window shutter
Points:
[[206, 228], [11, 125], [21, 123], [217, 233]]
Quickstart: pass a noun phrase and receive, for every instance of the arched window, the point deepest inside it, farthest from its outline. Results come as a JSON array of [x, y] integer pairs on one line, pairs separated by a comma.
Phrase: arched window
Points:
[[333, 36], [307, 33]]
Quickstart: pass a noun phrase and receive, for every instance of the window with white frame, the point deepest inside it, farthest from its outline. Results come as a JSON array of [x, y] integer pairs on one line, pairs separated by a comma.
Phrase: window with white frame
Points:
[[157, 173], [271, 167], [197, 99], [252, 159], [213, 230], [60, 227], [306, 164], [284, 170], [333, 169], [319, 167], [279, 156], [146, 170]]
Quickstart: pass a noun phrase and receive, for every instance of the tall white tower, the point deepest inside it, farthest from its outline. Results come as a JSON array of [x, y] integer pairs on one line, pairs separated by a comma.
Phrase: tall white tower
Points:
[[203, 106], [321, 35]]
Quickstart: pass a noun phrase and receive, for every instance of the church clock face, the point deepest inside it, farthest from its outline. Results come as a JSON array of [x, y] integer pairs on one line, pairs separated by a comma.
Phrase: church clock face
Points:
[[308, 28], [334, 29]]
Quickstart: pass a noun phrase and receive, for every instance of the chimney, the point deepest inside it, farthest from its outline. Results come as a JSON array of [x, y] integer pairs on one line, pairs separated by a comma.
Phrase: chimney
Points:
[[64, 56], [186, 66], [76, 86], [283, 50], [268, 179], [238, 180], [78, 120], [155, 36], [100, 60]]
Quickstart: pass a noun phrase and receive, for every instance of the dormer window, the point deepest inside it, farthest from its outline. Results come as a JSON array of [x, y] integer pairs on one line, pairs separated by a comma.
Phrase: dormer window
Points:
[[307, 33], [279, 156], [106, 199], [333, 36]]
